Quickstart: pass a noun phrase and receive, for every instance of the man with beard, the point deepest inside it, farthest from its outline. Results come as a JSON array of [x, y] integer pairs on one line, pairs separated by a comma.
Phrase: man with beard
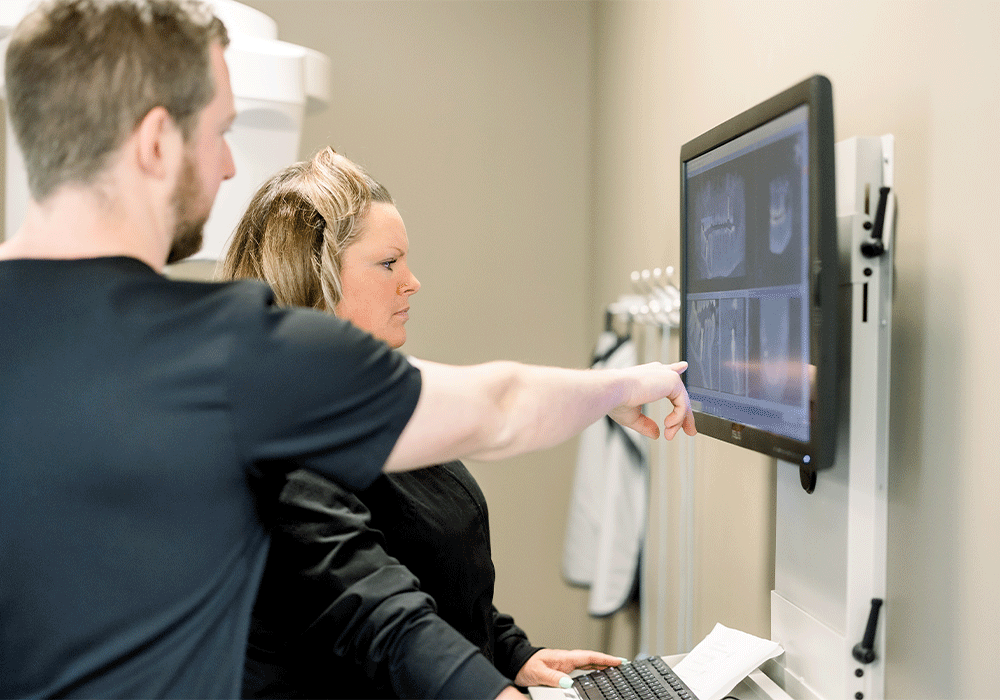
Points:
[[142, 419]]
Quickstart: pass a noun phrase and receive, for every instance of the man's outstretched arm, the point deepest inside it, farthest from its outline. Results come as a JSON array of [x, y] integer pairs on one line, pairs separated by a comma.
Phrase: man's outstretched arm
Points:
[[501, 409]]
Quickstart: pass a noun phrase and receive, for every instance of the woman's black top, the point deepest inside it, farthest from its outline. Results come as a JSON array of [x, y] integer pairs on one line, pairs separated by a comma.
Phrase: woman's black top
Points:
[[337, 616]]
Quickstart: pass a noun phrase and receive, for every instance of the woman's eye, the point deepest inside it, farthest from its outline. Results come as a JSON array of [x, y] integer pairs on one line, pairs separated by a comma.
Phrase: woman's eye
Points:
[[387, 264]]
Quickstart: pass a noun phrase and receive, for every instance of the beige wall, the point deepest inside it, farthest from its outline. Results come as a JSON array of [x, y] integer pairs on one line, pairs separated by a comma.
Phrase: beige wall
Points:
[[928, 73]]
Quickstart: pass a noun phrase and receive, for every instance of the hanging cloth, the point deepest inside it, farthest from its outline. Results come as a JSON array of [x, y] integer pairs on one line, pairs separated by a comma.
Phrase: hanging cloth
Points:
[[607, 513]]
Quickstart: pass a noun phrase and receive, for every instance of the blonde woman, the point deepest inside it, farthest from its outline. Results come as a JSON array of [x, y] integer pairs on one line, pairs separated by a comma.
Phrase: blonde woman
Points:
[[347, 603]]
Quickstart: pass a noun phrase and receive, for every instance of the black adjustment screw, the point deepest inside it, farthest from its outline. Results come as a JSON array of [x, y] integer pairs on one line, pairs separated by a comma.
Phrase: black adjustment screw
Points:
[[859, 672], [859, 696]]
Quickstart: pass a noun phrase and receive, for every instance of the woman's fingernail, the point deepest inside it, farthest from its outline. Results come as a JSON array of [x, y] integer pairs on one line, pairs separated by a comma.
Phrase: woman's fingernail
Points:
[[565, 682]]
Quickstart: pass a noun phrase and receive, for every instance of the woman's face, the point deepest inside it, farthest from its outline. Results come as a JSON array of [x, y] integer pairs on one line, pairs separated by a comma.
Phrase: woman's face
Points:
[[375, 278]]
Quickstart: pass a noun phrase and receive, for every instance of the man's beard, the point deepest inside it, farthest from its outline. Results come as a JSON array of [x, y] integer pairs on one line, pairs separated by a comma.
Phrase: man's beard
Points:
[[188, 229]]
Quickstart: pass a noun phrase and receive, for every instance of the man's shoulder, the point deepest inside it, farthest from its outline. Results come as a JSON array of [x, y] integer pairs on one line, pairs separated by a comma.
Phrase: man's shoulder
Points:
[[124, 281], [251, 298]]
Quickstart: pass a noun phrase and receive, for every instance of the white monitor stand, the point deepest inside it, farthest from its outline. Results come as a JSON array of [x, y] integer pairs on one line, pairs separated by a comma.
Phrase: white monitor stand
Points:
[[830, 549]]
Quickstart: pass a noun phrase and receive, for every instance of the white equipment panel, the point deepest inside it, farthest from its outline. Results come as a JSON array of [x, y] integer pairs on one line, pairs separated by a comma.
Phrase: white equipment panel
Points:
[[830, 552]]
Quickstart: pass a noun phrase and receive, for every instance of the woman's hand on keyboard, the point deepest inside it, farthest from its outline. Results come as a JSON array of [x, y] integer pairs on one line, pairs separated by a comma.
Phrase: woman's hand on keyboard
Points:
[[549, 666]]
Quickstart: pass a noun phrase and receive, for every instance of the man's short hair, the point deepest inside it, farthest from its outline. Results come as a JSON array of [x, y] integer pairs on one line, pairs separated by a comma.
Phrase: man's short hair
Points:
[[82, 74]]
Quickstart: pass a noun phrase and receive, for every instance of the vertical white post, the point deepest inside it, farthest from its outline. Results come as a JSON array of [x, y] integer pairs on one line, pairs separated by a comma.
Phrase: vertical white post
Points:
[[830, 549]]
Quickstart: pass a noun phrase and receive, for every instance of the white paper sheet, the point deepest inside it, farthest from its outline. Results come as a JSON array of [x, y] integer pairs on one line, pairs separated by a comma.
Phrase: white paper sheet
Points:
[[721, 660]]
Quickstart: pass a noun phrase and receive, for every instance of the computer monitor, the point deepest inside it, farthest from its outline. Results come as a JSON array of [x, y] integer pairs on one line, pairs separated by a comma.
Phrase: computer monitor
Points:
[[760, 273]]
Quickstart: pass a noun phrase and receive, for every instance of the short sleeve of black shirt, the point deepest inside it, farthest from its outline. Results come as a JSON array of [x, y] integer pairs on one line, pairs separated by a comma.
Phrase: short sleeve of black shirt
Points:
[[312, 391]]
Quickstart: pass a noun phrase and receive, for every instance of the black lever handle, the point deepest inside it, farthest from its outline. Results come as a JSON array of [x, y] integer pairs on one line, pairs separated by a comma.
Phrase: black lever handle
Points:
[[875, 247], [864, 651]]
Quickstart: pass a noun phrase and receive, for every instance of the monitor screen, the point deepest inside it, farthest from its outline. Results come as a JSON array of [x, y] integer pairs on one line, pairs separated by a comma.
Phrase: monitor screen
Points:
[[760, 276]]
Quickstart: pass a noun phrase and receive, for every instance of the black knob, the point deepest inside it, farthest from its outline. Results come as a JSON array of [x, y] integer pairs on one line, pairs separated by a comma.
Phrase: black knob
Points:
[[872, 249], [864, 651], [875, 247]]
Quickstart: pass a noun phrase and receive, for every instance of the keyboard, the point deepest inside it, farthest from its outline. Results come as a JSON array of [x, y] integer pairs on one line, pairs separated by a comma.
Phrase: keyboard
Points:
[[649, 678]]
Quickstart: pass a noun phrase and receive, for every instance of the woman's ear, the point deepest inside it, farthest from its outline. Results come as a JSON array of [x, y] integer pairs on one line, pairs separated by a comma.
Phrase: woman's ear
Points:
[[159, 143]]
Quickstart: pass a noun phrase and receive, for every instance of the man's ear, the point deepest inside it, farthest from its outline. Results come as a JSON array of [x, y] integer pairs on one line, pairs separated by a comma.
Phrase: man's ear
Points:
[[159, 143]]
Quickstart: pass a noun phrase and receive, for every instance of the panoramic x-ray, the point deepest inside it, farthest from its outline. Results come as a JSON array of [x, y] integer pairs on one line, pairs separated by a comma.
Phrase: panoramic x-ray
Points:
[[720, 206]]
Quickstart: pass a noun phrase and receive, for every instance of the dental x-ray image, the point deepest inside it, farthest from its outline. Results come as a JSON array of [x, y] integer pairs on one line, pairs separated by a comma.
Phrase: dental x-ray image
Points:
[[717, 345], [733, 346], [779, 374], [747, 220], [781, 214], [720, 206], [703, 344], [749, 249], [748, 281]]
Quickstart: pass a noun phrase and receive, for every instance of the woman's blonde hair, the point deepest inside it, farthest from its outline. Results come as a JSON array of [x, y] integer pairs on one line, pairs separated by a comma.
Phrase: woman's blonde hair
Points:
[[297, 226]]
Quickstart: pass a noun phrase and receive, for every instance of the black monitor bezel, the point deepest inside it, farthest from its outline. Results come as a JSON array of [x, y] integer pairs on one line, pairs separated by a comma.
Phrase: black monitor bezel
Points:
[[824, 275]]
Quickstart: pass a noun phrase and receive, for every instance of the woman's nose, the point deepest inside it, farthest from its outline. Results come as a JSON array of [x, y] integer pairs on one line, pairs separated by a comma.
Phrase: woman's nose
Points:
[[409, 287]]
